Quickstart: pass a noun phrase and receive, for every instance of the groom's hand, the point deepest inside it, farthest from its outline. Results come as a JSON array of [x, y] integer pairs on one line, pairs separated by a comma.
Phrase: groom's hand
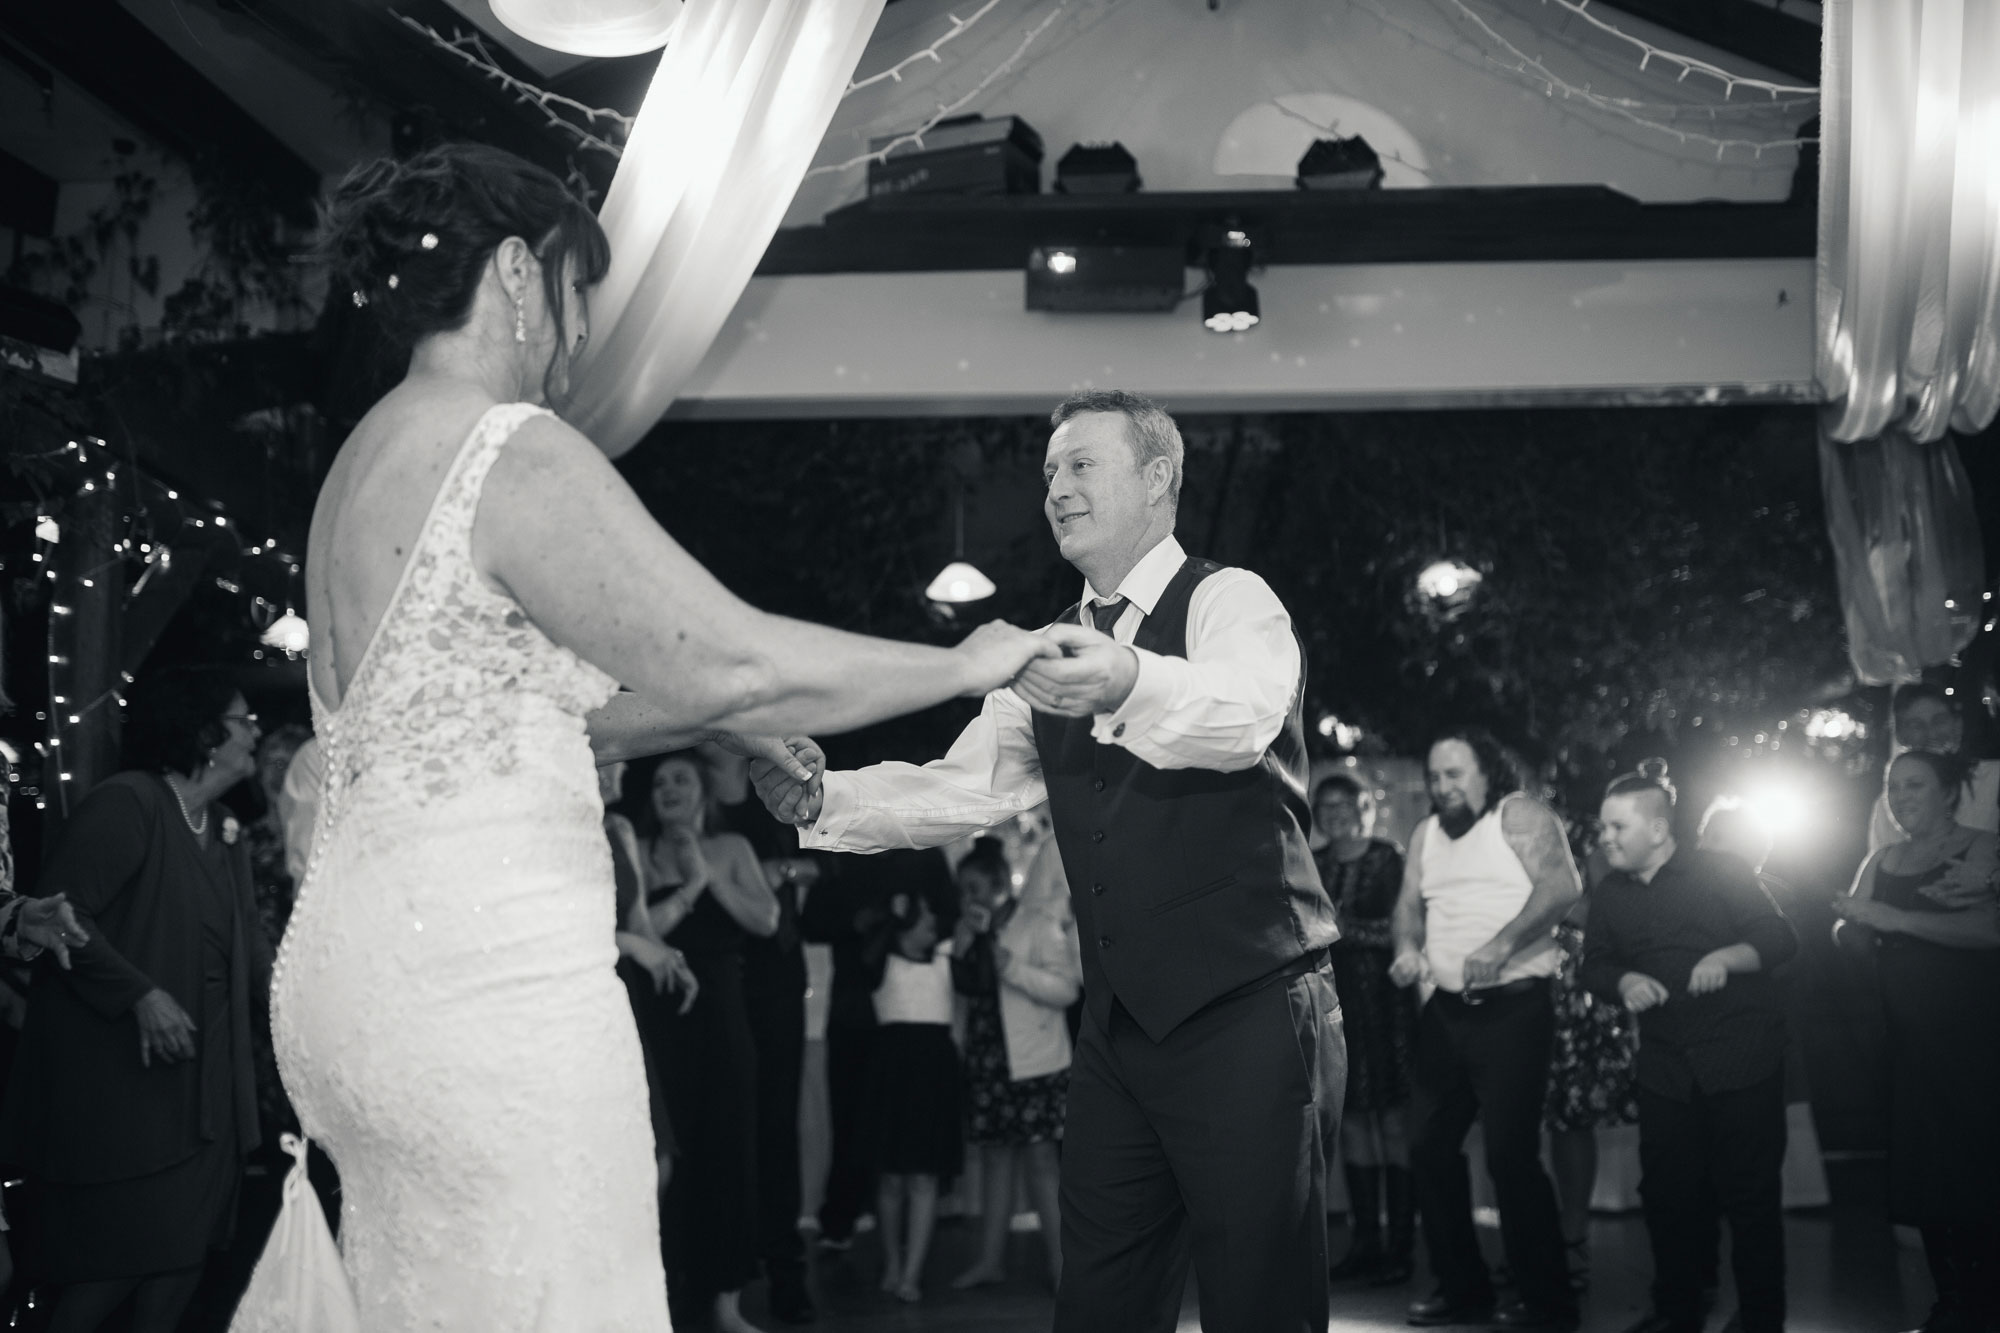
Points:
[[1094, 675], [789, 796]]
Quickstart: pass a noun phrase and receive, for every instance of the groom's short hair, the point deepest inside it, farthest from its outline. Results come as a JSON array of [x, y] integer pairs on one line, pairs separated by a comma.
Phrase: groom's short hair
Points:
[[1150, 430]]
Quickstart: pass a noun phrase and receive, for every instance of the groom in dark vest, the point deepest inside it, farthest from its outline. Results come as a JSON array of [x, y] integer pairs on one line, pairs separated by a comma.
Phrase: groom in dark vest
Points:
[[1169, 745]]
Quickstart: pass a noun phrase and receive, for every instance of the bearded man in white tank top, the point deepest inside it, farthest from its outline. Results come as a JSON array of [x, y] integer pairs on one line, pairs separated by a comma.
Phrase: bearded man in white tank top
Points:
[[1488, 877]]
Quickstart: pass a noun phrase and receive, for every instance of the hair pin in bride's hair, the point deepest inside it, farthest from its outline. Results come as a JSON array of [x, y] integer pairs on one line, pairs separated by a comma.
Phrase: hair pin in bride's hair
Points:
[[360, 298], [393, 280], [430, 241]]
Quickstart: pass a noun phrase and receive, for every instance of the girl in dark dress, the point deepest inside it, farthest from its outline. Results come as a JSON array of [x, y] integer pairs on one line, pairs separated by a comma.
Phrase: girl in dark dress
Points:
[[654, 972], [1591, 1077], [1939, 970], [1015, 957], [133, 1103], [1363, 875], [705, 895], [913, 1088]]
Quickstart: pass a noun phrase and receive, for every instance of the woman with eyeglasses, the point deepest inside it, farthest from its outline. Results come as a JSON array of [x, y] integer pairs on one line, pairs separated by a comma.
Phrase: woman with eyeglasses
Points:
[[132, 1103]]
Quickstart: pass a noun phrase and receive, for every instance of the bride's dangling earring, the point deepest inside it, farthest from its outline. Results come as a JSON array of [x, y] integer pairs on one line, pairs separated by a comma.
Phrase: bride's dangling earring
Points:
[[520, 319]]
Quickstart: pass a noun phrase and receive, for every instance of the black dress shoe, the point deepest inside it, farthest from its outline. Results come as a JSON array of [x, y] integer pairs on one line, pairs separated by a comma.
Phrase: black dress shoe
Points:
[[1656, 1322], [1440, 1309], [1521, 1314]]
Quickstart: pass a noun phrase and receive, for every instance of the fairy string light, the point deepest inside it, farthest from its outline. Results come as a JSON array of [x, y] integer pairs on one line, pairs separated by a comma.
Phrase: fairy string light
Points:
[[471, 49], [144, 541], [952, 108], [1729, 80], [1521, 63], [959, 27]]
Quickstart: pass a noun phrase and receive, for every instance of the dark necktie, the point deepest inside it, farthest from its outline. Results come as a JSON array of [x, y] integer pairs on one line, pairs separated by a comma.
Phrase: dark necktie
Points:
[[1104, 615]]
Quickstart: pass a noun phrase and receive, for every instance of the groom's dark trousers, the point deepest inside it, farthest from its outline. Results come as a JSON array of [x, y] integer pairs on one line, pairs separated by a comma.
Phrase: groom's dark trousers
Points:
[[1206, 1087], [1210, 1145]]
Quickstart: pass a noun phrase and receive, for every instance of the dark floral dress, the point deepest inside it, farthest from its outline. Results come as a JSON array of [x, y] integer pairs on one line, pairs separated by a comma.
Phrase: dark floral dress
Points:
[[1596, 1045], [1381, 1017], [999, 1108]]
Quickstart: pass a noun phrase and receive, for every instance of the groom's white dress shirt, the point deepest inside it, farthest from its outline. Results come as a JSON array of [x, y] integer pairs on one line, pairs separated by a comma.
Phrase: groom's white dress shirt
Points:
[[1220, 707]]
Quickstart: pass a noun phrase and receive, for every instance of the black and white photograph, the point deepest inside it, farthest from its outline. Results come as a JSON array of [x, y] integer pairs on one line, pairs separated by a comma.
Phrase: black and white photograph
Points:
[[999, 666]]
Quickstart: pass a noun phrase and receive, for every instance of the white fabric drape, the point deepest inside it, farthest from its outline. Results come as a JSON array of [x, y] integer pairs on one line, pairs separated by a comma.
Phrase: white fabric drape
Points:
[[1908, 316], [1909, 240], [1906, 548], [740, 103]]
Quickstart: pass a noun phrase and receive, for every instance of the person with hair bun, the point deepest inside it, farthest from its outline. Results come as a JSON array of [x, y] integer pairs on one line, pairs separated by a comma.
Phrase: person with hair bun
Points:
[[1938, 967], [482, 581], [1687, 939]]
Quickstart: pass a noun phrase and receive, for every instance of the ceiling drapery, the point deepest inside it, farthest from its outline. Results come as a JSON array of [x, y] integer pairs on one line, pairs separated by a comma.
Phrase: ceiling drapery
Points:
[[1908, 316], [736, 110]]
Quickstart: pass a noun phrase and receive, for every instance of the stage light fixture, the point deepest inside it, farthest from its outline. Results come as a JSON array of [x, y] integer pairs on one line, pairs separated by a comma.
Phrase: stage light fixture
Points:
[[1097, 169], [1114, 279], [1229, 303], [1340, 164]]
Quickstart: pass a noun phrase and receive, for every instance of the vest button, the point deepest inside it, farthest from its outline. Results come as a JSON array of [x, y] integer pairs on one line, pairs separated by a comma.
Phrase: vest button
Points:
[[1096, 889], [1104, 941], [1097, 835], [1098, 785]]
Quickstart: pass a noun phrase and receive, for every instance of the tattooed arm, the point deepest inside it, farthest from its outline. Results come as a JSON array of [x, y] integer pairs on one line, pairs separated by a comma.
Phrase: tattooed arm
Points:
[[1538, 839]]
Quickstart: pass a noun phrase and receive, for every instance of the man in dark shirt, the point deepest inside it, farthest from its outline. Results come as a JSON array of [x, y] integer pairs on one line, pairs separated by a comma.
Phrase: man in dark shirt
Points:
[[1686, 939]]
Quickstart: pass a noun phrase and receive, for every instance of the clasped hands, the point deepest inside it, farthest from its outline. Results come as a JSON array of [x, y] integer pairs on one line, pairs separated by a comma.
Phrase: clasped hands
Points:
[[1067, 670]]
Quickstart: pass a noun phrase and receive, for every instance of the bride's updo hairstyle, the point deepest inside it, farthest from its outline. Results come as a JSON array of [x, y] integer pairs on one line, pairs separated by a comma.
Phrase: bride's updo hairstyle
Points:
[[410, 240]]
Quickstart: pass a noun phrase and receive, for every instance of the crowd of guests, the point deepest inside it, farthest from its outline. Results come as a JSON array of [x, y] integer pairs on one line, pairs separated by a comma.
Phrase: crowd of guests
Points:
[[1488, 973]]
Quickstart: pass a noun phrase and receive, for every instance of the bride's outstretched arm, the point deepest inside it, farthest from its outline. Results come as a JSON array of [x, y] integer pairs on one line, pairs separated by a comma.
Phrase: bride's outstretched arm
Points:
[[630, 726], [560, 529]]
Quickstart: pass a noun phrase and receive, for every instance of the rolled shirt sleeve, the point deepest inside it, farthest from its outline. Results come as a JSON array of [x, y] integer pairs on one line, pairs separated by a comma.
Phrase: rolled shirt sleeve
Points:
[[1222, 705], [991, 774]]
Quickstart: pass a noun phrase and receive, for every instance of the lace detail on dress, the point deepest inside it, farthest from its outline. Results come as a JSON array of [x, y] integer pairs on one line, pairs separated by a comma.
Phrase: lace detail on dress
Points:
[[444, 1008]]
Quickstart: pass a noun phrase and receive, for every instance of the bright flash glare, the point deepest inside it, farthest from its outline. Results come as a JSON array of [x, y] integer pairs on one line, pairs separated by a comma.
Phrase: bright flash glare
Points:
[[1061, 261], [1781, 809]]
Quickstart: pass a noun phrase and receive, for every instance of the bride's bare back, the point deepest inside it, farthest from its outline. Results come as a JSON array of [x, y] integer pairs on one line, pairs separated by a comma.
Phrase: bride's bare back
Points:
[[369, 514]]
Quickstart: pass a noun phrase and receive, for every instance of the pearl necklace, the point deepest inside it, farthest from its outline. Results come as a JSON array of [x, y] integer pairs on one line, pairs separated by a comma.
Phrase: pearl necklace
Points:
[[181, 801]]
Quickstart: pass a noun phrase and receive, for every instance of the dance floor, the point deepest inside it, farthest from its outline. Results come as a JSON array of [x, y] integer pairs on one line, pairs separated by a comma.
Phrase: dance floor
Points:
[[1847, 1275]]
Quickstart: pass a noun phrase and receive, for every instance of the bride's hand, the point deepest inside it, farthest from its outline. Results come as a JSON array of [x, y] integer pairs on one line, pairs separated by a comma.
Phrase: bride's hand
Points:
[[793, 755], [992, 655]]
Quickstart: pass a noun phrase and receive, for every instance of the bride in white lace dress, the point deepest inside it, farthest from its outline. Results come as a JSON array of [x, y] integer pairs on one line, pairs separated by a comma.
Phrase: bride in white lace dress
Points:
[[447, 1016]]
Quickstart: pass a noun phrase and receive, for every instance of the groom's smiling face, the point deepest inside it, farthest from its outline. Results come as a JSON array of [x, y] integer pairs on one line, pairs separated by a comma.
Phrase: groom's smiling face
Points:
[[1096, 499]]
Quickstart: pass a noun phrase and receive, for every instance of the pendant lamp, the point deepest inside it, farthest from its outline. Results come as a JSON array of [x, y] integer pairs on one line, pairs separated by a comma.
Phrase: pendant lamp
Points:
[[960, 581], [592, 27]]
